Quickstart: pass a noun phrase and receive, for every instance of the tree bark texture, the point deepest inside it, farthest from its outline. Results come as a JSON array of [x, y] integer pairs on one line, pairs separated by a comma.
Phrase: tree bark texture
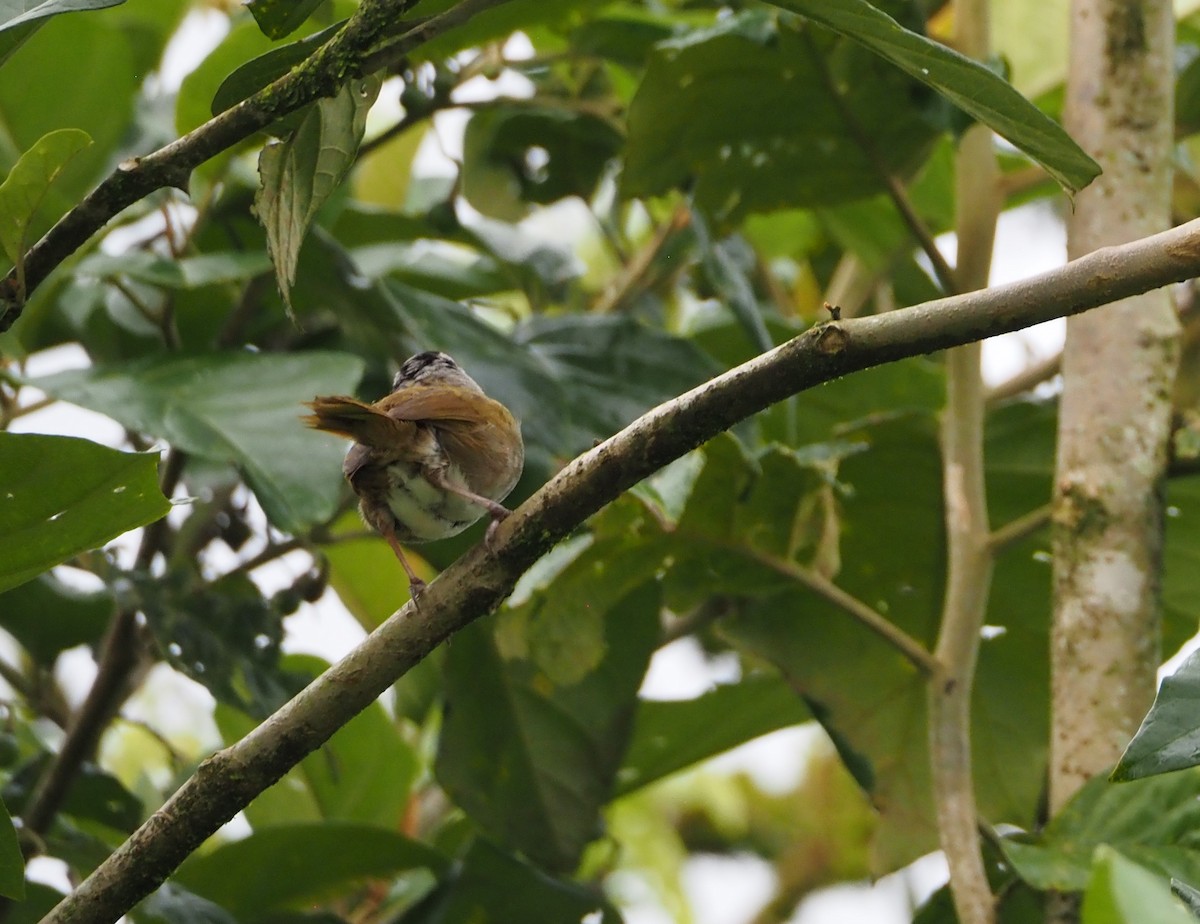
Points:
[[1118, 371]]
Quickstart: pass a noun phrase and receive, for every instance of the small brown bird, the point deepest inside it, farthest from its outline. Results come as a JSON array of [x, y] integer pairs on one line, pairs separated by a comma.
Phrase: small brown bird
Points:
[[429, 459]]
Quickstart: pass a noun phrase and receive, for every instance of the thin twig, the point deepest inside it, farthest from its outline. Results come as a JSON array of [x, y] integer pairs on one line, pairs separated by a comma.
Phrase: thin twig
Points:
[[917, 654], [1020, 528]]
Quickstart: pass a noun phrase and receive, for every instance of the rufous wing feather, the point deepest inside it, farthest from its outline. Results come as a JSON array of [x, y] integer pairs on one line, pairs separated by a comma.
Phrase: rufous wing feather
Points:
[[357, 421]]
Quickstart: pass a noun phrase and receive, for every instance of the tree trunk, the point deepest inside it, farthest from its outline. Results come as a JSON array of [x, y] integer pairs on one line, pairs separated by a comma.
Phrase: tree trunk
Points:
[[1118, 369]]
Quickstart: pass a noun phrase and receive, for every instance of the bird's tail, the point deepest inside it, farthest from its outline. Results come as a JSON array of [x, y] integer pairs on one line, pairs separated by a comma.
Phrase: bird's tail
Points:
[[355, 420]]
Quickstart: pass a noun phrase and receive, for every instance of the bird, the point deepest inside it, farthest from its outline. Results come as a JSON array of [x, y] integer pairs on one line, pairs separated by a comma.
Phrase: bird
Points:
[[430, 458]]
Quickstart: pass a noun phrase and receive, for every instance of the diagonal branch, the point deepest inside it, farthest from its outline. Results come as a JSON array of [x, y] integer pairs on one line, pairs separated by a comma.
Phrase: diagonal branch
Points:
[[477, 583], [366, 43]]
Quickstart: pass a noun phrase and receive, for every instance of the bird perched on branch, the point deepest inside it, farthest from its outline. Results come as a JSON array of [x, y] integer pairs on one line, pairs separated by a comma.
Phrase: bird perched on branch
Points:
[[430, 458]]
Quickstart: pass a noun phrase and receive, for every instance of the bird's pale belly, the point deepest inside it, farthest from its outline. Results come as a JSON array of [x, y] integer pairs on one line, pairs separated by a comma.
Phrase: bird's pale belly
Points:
[[424, 513]]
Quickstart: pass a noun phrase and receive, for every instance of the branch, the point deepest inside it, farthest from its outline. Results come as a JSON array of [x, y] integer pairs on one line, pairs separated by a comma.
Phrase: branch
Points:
[[364, 45], [478, 582], [968, 553]]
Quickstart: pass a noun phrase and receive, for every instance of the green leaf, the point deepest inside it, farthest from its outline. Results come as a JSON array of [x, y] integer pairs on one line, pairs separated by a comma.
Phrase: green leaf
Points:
[[62, 496], [277, 18], [490, 885], [12, 864], [1169, 738], [968, 84], [300, 174], [233, 407], [1153, 822], [671, 735], [27, 183], [80, 618], [284, 865], [1123, 892], [533, 762], [771, 135]]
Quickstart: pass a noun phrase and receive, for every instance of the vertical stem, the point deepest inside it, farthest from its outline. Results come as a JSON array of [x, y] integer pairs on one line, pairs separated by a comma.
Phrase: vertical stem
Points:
[[1118, 370], [969, 562]]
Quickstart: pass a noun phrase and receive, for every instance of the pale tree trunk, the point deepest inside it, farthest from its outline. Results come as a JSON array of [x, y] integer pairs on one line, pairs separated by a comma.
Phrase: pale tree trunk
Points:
[[1118, 370]]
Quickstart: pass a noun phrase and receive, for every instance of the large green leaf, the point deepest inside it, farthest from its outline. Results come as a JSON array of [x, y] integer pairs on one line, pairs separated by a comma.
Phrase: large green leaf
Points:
[[966, 83], [14, 13], [301, 173], [886, 514], [1154, 822], [533, 761], [670, 735], [743, 111], [233, 407], [62, 496], [282, 865]]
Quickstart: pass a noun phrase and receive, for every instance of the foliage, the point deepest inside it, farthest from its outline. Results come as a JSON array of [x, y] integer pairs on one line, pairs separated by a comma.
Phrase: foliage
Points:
[[646, 195]]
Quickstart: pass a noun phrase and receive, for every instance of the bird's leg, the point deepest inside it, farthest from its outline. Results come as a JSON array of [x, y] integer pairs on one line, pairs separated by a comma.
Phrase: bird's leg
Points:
[[416, 586], [437, 477]]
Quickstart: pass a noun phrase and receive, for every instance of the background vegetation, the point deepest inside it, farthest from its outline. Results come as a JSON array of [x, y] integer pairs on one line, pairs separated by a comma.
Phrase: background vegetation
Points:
[[646, 195]]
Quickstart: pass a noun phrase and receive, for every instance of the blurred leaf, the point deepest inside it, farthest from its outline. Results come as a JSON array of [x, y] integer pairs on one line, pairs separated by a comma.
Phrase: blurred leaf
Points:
[[532, 762], [232, 407], [517, 156], [172, 904], [492, 24], [1169, 738], [746, 74], [671, 735], [223, 635], [277, 18], [1123, 892], [19, 19], [610, 370], [62, 496], [728, 276], [1155, 823], [300, 174], [196, 102], [12, 864], [38, 902], [27, 182], [285, 865], [76, 617], [185, 273], [968, 84], [488, 885]]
